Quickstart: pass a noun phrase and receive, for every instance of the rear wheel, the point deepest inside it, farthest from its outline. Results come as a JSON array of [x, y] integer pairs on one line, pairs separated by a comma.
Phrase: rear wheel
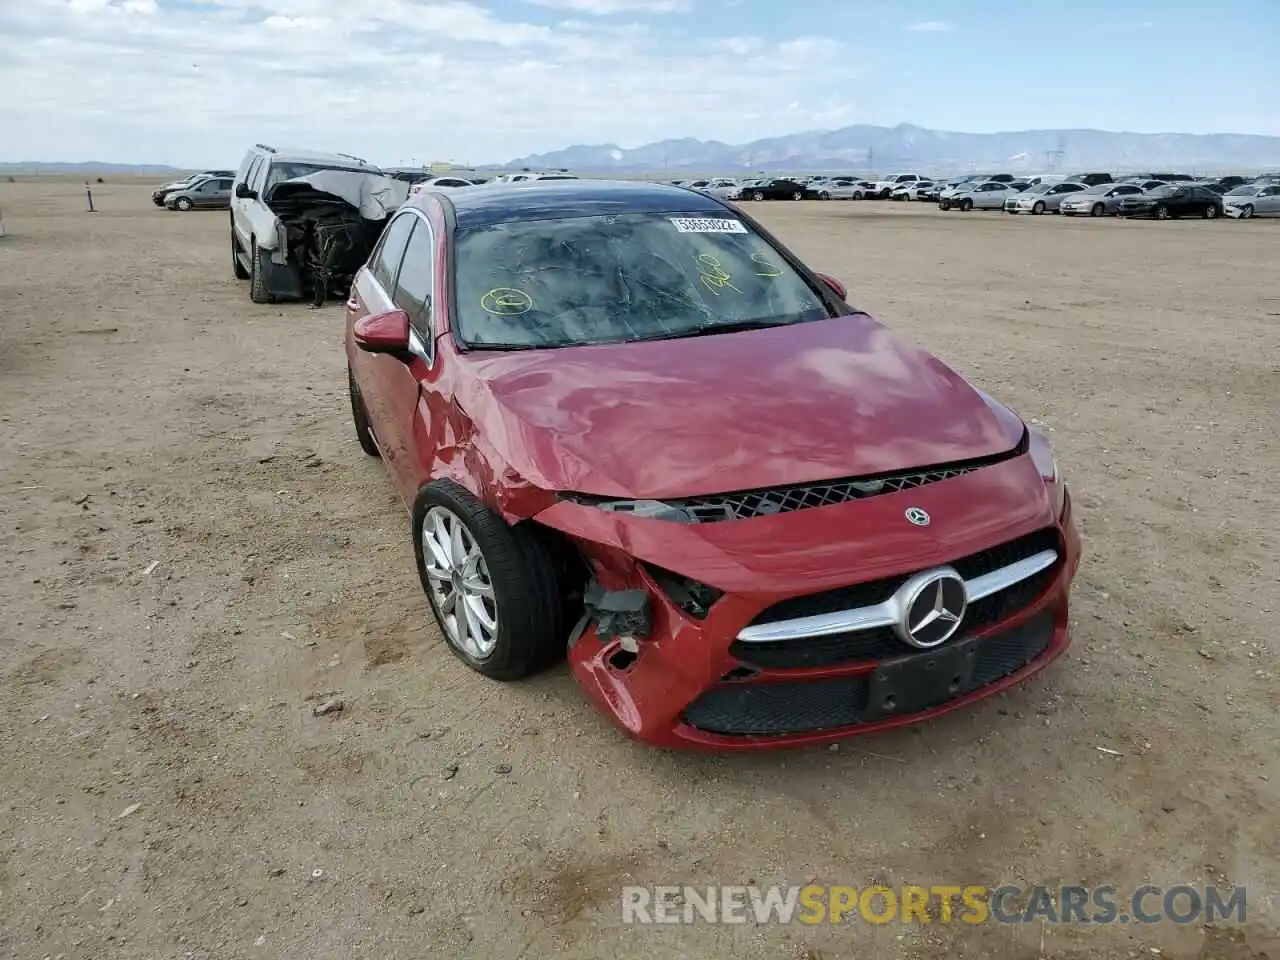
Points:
[[944, 204], [1210, 211], [360, 417], [494, 588], [797, 195]]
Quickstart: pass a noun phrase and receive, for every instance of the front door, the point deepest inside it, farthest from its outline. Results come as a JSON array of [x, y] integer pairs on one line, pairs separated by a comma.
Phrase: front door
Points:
[[388, 385]]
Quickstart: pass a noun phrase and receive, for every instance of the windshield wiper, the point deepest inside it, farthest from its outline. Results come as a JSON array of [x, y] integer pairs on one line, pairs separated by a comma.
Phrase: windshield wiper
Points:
[[707, 329]]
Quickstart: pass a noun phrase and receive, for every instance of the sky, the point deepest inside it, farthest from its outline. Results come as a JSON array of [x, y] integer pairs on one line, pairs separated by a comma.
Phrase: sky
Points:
[[194, 82]]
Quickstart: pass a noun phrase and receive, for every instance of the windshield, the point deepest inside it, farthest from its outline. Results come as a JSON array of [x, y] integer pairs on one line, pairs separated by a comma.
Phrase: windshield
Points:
[[280, 172], [1040, 188], [1248, 190], [1167, 190], [1096, 188], [608, 279]]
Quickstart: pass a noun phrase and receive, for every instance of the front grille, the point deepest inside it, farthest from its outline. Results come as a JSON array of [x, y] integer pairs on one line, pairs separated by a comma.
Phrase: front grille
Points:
[[747, 504], [881, 643], [793, 707], [764, 503], [877, 591]]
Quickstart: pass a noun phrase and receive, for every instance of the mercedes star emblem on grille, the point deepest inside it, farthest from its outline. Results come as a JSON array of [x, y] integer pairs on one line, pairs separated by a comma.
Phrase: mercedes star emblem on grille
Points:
[[917, 516], [933, 609]]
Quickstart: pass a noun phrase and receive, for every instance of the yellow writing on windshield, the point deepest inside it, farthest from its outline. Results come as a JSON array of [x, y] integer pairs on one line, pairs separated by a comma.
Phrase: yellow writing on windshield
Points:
[[713, 274], [506, 302]]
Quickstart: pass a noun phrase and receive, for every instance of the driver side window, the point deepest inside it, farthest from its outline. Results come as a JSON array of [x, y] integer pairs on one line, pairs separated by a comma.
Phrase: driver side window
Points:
[[415, 281], [385, 261]]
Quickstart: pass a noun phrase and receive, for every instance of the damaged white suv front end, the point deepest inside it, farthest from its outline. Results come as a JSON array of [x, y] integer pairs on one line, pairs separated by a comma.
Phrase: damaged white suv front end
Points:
[[303, 223]]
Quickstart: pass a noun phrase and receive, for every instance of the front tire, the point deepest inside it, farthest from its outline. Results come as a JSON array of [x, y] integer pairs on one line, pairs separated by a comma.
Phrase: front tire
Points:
[[258, 260], [966, 206], [1162, 212], [1038, 208], [1097, 210], [236, 266], [360, 417], [183, 204], [494, 588], [757, 195], [1246, 212], [944, 204]]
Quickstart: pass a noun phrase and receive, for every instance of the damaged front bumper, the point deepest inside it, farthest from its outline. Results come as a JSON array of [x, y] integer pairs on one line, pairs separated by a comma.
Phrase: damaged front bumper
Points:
[[745, 664], [327, 225]]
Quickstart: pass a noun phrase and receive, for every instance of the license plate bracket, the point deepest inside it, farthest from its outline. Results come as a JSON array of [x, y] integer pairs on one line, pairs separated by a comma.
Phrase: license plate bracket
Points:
[[922, 680]]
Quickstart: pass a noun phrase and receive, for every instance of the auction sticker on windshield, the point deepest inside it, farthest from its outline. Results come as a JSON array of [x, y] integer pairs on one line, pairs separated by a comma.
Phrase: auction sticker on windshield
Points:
[[708, 225]]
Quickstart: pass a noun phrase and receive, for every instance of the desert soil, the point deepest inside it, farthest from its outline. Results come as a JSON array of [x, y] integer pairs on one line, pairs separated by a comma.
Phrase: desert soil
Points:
[[196, 554]]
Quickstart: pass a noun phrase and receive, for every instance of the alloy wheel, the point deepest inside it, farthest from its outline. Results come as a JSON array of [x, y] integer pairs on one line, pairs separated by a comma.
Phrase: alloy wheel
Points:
[[461, 587]]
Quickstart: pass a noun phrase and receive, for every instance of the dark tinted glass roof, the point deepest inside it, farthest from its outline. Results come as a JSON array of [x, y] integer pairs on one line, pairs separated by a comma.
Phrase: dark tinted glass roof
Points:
[[564, 199]]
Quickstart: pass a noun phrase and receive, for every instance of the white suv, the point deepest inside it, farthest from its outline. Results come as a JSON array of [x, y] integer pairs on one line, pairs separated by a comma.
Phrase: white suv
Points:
[[308, 236]]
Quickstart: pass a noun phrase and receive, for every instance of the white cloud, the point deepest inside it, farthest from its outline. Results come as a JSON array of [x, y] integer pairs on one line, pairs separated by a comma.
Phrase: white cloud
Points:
[[931, 26], [392, 80]]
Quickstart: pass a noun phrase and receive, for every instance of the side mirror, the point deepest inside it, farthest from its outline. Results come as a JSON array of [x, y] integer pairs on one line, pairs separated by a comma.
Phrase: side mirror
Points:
[[384, 333], [836, 286], [244, 192]]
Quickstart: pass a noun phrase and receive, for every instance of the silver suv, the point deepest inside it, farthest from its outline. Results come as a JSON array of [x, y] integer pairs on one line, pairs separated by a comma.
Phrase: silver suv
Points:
[[303, 222]]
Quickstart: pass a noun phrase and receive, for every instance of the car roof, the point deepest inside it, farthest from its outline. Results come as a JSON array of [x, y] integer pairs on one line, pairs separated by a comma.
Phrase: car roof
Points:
[[290, 155], [566, 199]]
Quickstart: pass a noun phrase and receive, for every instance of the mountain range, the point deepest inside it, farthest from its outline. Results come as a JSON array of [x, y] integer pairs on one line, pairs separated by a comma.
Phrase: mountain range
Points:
[[866, 148], [905, 146], [86, 167]]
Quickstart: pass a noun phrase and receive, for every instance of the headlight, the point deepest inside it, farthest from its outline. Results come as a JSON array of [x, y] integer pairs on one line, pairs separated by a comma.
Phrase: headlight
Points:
[[649, 509], [1047, 464]]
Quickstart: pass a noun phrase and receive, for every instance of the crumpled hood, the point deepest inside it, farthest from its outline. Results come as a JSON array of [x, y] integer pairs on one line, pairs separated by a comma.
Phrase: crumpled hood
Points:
[[667, 419], [375, 195]]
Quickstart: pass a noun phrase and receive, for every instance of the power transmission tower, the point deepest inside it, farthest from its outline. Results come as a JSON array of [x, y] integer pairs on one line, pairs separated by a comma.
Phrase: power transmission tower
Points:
[[1055, 157]]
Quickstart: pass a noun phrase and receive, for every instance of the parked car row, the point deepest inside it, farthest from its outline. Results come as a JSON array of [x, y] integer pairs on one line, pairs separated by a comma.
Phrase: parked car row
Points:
[[1159, 196], [211, 189], [1082, 194]]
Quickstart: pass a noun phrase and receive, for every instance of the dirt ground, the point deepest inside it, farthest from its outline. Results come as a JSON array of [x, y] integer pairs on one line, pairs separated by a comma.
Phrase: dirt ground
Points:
[[195, 553]]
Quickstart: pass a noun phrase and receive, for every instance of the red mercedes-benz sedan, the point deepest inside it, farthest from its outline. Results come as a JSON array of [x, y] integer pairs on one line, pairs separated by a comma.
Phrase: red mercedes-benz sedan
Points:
[[630, 424]]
